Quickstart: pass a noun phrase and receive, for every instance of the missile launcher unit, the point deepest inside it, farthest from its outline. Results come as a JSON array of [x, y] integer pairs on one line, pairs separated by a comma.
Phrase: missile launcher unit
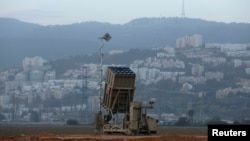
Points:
[[118, 100]]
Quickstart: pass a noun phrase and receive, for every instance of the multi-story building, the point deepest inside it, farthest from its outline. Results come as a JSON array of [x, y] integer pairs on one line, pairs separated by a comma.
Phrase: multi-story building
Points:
[[33, 63], [21, 77], [197, 70], [4, 101], [50, 75], [189, 41], [214, 75], [36, 76], [233, 47], [237, 63]]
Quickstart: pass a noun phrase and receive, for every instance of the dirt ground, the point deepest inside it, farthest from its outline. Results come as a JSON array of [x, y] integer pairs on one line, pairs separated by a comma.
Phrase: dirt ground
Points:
[[25, 132]]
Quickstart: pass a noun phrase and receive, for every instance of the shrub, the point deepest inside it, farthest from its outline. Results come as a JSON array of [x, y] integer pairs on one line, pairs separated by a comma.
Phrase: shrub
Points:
[[72, 122]]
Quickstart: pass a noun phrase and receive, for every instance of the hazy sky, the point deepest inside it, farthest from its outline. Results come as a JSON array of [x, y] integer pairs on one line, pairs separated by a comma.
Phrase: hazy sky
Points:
[[50, 12]]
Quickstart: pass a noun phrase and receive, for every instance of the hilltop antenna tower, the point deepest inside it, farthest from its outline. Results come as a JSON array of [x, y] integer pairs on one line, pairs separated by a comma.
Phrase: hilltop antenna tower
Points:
[[183, 9]]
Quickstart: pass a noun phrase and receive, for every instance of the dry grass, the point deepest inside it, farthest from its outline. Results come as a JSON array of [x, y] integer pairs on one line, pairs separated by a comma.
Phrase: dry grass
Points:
[[86, 133]]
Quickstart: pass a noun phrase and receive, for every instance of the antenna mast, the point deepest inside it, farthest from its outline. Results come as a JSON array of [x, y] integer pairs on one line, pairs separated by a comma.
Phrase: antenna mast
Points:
[[183, 9], [105, 37], [99, 117]]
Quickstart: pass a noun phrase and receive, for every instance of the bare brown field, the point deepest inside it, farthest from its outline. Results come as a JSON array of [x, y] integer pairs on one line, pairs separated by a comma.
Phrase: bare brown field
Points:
[[22, 132]]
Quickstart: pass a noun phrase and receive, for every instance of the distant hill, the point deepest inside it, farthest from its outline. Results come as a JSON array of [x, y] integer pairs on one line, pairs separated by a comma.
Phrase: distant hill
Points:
[[20, 39]]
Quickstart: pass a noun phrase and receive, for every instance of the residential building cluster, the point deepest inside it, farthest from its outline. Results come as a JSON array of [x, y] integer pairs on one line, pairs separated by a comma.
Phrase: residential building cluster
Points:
[[38, 79]]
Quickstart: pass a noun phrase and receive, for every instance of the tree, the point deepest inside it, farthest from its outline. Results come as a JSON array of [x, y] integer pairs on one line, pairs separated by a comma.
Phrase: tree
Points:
[[182, 121], [190, 115], [2, 117], [216, 120], [34, 116], [72, 122]]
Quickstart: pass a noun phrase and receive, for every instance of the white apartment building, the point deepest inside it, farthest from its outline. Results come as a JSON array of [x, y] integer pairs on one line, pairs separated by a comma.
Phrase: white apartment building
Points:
[[189, 41], [197, 70], [233, 47], [214, 75], [4, 101], [33, 63], [237, 63], [213, 60], [50, 75], [21, 77], [146, 73], [36, 76], [212, 45]]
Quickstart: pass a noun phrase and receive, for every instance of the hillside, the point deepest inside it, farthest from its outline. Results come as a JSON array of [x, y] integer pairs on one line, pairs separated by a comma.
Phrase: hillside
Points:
[[19, 39]]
